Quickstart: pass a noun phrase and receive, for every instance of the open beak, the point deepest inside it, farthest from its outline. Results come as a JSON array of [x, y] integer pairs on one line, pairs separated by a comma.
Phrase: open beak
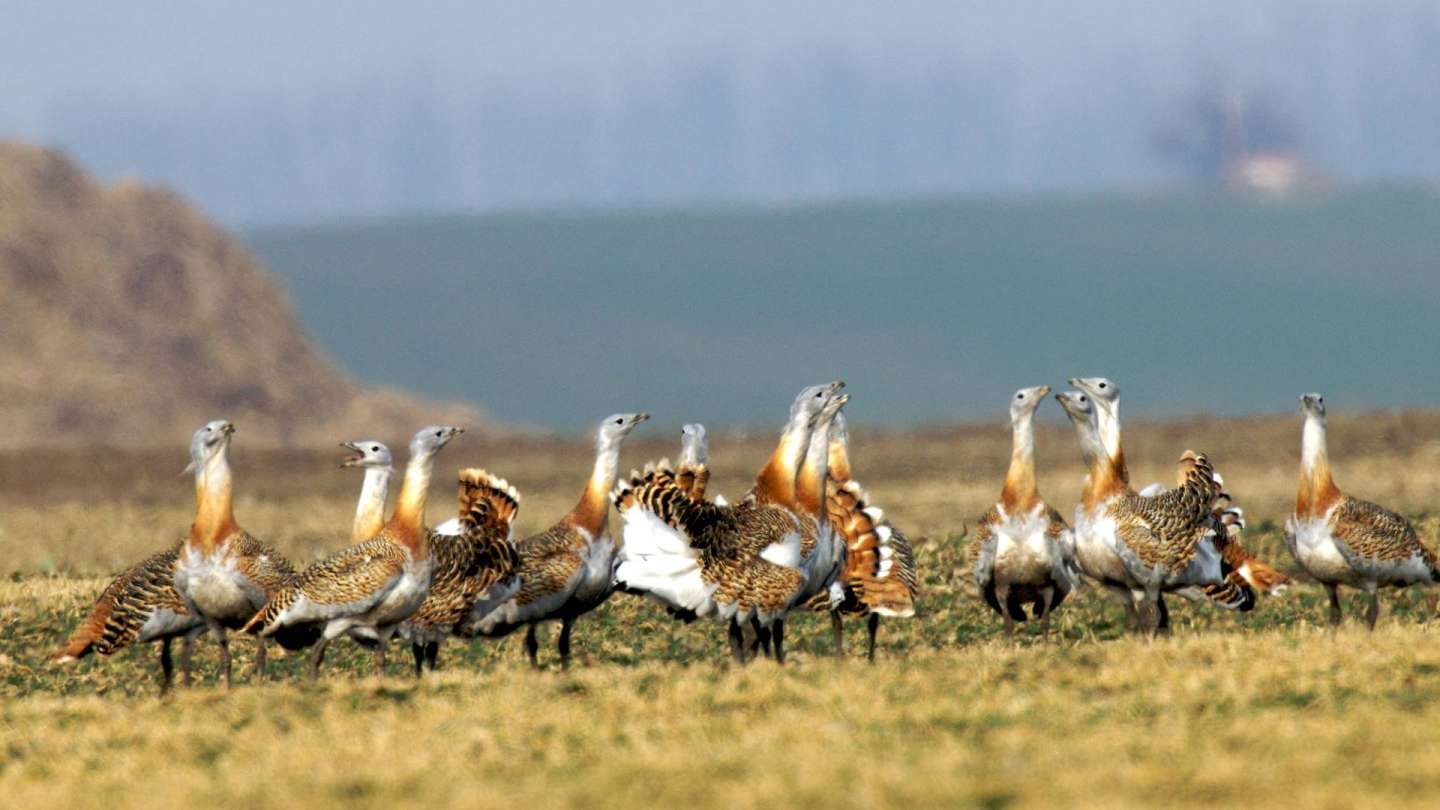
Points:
[[641, 417], [352, 461]]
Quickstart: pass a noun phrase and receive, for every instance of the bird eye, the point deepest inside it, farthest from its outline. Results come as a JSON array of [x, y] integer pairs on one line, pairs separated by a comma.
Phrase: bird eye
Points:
[[1102, 386], [374, 448], [618, 421], [1019, 396], [1082, 398], [437, 434]]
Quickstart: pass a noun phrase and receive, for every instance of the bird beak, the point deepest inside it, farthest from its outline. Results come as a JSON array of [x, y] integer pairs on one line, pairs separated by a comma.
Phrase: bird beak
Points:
[[641, 417], [352, 461]]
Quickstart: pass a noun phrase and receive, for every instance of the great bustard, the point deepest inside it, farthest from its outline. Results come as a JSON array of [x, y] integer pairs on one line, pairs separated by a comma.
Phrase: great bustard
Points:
[[223, 573], [375, 459], [1022, 550], [369, 588], [1143, 547], [1344, 541], [737, 564], [568, 570], [476, 567], [878, 576]]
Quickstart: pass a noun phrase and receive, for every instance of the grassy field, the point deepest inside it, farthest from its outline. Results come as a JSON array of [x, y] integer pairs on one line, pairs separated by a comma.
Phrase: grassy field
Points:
[[1254, 708]]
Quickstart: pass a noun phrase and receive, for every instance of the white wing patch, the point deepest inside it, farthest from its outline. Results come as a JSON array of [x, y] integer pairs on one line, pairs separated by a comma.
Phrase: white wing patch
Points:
[[785, 553]]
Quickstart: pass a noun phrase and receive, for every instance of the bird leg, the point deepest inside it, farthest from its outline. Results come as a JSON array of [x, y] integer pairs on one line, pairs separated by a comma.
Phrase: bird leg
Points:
[[737, 642], [778, 634], [261, 643], [1047, 597], [418, 650], [563, 645], [532, 646], [187, 647], [318, 656], [1163, 623], [380, 658], [167, 667], [218, 633], [1132, 615], [432, 655], [1002, 597], [1373, 614], [837, 628], [1333, 591], [872, 623], [759, 638]]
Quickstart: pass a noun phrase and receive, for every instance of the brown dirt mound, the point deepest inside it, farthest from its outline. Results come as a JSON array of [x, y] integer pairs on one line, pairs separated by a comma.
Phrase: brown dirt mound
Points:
[[127, 318]]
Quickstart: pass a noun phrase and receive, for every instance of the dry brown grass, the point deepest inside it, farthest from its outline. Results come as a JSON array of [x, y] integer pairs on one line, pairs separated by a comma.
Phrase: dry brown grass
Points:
[[1263, 707]]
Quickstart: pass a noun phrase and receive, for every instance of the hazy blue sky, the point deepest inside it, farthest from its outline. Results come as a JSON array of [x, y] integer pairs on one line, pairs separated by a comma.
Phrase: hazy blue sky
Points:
[[276, 113]]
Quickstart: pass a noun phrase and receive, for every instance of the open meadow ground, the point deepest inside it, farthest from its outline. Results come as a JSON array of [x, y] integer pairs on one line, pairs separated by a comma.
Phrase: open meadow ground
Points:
[[1264, 707]]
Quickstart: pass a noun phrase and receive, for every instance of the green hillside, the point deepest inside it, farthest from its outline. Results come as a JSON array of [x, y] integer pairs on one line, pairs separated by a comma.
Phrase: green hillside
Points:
[[930, 310]]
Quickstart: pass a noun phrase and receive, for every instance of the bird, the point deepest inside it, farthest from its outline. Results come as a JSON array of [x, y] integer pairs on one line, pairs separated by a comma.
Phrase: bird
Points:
[[878, 578], [822, 552], [370, 587], [822, 555], [375, 459], [222, 572], [476, 568], [1162, 543], [1241, 568], [1344, 541], [138, 606], [1022, 549], [567, 570], [1104, 479], [734, 563]]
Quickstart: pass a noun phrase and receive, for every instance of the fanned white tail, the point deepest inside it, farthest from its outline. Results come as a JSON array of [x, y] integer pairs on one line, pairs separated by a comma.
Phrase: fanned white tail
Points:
[[656, 560]]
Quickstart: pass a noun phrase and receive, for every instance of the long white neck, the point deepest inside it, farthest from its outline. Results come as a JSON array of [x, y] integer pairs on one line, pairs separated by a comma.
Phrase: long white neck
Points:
[[214, 494], [1022, 440], [370, 510], [1089, 441], [810, 483], [410, 506], [839, 454], [693, 453], [796, 440], [607, 465], [592, 513], [1313, 452], [777, 479], [1108, 421]]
